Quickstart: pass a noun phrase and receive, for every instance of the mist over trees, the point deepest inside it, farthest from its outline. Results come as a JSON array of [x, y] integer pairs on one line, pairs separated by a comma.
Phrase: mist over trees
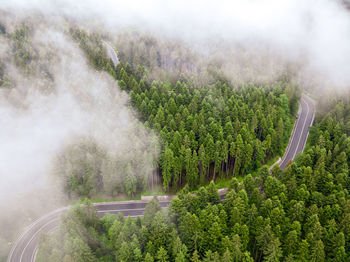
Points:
[[300, 214], [55, 107], [208, 131], [175, 116]]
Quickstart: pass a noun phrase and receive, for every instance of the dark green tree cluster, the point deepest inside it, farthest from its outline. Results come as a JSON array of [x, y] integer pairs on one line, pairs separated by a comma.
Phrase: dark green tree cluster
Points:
[[22, 49], [3, 80], [2, 66], [300, 214], [155, 237], [25, 56], [211, 131], [2, 29], [91, 44], [208, 131]]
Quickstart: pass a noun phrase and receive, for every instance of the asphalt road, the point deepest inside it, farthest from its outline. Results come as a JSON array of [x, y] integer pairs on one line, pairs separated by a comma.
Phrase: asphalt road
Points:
[[111, 53], [26, 245], [300, 132], [25, 248]]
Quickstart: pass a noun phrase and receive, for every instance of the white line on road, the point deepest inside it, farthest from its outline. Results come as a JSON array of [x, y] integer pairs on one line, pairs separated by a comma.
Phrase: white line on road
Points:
[[302, 130], [34, 235], [56, 219], [30, 227], [313, 117], [290, 144]]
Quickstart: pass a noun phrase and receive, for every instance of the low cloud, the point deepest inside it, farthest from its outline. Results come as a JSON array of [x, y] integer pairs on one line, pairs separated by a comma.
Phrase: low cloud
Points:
[[55, 101], [314, 34], [63, 98]]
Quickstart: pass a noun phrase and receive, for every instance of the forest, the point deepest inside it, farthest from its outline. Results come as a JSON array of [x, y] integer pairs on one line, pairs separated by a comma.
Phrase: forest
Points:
[[206, 132], [300, 214], [184, 131]]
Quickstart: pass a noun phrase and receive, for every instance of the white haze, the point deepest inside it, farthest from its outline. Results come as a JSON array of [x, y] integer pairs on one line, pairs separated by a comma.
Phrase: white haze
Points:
[[314, 33], [40, 116]]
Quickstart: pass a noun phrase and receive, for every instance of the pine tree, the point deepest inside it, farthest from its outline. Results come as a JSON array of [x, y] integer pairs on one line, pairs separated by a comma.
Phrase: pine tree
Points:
[[148, 258], [167, 167], [195, 257], [162, 255]]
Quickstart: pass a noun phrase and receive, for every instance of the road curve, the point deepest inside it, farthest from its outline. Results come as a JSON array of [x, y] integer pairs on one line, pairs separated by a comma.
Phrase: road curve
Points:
[[111, 53], [25, 248], [300, 132]]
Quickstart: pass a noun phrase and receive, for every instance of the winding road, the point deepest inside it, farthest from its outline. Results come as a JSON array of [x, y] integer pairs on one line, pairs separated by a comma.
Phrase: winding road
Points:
[[111, 53], [300, 132], [25, 248]]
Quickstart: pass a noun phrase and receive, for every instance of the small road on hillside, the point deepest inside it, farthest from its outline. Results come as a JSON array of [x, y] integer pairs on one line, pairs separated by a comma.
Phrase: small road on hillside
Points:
[[111, 53], [300, 132], [25, 248]]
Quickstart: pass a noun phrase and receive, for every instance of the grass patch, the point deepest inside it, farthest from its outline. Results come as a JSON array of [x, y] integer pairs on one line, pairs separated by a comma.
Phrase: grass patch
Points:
[[157, 190], [225, 182], [272, 161], [100, 199]]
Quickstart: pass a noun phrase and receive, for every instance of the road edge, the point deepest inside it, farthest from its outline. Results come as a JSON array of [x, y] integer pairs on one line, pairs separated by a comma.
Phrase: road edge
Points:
[[280, 159]]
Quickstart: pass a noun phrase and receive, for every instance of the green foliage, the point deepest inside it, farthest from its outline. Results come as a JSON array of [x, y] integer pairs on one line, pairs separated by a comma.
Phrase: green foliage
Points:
[[22, 49], [212, 131], [4, 82], [92, 46], [301, 214], [89, 170], [208, 132]]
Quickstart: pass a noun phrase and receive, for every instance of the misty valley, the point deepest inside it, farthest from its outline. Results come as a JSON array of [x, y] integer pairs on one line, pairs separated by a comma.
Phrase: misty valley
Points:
[[154, 132]]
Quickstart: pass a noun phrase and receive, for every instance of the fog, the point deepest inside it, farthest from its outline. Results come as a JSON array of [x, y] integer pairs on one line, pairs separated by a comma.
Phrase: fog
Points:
[[252, 40], [314, 35], [55, 103]]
